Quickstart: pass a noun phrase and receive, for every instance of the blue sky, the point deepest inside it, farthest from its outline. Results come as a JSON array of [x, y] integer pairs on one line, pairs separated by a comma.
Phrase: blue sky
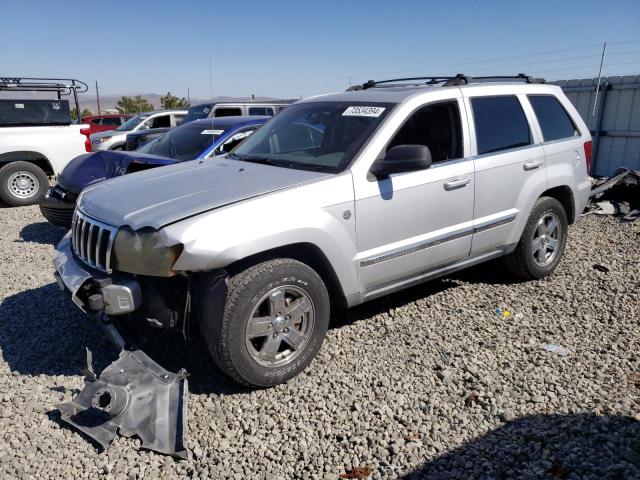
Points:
[[292, 48]]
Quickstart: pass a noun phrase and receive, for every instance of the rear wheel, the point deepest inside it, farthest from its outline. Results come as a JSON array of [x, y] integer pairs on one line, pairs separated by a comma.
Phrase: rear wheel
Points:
[[22, 183], [275, 319], [542, 243]]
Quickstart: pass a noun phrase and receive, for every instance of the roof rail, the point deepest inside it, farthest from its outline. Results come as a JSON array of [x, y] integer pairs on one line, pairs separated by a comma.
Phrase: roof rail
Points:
[[61, 86], [520, 76], [459, 79]]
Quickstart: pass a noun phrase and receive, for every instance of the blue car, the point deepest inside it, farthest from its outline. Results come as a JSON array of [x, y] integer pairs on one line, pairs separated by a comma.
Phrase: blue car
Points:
[[196, 140]]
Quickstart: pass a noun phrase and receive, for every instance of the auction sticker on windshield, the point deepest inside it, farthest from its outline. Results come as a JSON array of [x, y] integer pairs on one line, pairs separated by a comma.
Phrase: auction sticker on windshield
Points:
[[363, 111], [211, 132]]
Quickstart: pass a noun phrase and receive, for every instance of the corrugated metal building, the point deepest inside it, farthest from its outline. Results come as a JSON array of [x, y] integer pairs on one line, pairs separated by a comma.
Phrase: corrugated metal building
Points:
[[615, 126]]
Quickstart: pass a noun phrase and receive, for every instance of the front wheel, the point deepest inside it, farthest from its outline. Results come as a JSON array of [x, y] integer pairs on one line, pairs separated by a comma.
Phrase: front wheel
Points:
[[22, 183], [542, 242], [275, 319]]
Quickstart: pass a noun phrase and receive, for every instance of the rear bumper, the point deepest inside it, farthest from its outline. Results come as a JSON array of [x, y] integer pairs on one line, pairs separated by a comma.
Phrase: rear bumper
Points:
[[92, 291], [58, 211]]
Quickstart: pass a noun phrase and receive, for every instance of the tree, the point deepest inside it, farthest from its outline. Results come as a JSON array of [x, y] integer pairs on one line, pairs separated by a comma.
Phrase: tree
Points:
[[135, 104], [169, 101], [85, 113]]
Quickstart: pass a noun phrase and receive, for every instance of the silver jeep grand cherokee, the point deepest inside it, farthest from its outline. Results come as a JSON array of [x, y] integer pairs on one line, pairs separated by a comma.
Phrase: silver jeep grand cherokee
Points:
[[337, 200]]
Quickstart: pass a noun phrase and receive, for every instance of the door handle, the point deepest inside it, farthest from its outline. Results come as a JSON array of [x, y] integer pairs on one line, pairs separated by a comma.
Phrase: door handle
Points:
[[457, 183], [532, 165]]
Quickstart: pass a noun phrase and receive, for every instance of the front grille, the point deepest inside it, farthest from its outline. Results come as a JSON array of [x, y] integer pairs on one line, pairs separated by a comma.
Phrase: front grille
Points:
[[92, 241]]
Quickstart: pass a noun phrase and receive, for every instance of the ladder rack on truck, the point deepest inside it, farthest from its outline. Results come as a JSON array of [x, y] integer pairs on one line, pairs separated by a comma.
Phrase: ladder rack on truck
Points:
[[59, 86]]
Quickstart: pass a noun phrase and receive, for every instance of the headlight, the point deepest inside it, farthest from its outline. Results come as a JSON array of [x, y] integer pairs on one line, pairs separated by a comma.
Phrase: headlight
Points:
[[144, 253], [104, 139]]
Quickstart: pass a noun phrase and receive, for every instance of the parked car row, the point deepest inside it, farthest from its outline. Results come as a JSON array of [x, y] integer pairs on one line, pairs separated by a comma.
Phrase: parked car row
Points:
[[197, 140], [334, 201], [38, 138]]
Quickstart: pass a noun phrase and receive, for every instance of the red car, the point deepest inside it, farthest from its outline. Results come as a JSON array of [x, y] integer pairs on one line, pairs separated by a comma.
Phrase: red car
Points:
[[101, 123]]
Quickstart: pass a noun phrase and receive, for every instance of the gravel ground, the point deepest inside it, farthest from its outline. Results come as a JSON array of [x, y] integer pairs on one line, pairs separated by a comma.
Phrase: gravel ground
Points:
[[429, 382]]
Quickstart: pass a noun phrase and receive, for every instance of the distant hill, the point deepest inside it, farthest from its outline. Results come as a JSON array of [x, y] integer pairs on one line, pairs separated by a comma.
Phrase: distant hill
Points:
[[108, 102]]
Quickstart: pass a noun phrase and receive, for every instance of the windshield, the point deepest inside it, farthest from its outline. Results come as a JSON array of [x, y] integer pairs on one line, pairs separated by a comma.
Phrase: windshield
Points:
[[197, 112], [183, 143], [314, 136], [132, 123]]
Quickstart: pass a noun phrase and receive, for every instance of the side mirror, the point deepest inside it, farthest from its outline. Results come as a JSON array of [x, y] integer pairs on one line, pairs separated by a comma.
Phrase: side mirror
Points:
[[403, 158]]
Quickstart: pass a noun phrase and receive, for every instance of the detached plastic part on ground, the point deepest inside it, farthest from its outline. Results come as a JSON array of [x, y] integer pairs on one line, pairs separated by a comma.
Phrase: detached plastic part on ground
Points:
[[618, 195], [133, 396]]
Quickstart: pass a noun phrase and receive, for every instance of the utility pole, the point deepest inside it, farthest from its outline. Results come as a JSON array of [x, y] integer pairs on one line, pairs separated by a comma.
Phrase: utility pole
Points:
[[595, 102], [210, 79], [188, 96], [98, 98]]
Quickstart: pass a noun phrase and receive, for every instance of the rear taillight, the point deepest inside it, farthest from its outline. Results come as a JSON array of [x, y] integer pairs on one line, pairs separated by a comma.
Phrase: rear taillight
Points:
[[87, 143], [587, 155]]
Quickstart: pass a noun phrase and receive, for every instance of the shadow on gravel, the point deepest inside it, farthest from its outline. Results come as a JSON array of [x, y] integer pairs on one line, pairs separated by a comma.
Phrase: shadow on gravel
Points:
[[43, 333], [341, 317], [42, 232], [489, 273], [554, 447]]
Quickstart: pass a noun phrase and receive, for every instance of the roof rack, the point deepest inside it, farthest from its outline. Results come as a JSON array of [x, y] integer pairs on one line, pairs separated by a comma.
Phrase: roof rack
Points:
[[61, 86], [459, 79]]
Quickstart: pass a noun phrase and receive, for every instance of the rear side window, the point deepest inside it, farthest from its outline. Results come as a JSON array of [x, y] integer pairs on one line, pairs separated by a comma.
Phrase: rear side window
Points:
[[552, 117], [500, 123], [227, 112], [112, 121], [261, 111]]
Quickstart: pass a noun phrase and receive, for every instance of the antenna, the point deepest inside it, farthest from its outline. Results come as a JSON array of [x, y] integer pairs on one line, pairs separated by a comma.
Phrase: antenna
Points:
[[210, 79], [98, 98], [595, 101]]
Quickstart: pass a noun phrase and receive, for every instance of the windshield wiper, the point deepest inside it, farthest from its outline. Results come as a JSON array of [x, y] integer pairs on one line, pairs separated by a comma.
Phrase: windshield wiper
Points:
[[282, 163], [261, 160]]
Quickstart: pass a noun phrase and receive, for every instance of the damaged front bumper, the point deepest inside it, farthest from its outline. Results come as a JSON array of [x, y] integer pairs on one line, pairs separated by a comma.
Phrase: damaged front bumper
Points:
[[133, 396], [113, 295]]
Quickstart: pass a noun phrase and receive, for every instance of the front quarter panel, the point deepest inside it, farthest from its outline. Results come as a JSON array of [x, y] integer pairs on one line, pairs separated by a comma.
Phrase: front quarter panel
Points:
[[314, 213]]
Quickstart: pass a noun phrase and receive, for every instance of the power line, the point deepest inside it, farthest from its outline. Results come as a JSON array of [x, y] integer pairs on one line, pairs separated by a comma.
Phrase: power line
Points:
[[585, 66], [346, 78]]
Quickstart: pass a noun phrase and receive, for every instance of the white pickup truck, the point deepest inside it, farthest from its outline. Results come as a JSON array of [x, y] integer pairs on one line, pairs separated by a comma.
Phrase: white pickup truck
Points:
[[36, 146]]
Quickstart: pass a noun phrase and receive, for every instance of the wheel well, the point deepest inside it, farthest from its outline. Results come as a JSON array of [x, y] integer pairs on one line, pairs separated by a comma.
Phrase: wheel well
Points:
[[31, 157], [564, 195], [307, 253]]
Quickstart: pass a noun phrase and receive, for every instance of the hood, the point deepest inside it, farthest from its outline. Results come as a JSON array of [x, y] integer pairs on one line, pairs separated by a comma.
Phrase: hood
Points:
[[91, 168], [108, 133], [158, 197]]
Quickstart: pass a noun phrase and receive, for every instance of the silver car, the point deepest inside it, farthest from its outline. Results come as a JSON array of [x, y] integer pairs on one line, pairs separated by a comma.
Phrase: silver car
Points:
[[337, 200], [116, 139]]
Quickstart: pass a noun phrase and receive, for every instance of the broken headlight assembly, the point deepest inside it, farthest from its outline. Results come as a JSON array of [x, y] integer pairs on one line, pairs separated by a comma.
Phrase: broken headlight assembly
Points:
[[144, 252]]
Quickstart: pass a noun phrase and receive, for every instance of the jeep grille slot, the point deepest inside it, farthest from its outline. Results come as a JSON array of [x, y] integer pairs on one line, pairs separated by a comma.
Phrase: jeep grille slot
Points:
[[92, 241]]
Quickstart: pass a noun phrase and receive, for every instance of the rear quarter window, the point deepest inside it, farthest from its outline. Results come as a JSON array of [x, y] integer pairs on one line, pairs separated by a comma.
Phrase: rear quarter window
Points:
[[500, 123], [554, 120]]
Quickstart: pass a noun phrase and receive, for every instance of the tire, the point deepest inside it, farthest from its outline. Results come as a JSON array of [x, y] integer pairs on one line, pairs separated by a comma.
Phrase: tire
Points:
[[539, 250], [22, 183], [284, 284]]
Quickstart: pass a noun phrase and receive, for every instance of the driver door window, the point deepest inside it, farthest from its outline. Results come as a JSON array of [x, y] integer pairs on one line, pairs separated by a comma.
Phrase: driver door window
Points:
[[436, 126], [157, 122]]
